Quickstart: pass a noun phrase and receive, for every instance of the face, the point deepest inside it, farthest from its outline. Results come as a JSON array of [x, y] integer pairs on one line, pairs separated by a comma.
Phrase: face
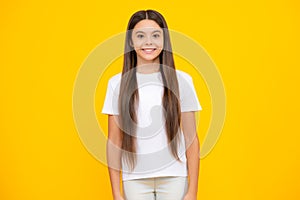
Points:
[[147, 38]]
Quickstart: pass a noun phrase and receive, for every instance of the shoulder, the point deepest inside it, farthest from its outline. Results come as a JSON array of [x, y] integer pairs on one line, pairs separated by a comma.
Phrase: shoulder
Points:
[[115, 80], [183, 76]]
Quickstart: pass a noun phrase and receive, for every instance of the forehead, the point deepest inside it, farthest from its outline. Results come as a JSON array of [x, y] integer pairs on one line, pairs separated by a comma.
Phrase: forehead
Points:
[[146, 26]]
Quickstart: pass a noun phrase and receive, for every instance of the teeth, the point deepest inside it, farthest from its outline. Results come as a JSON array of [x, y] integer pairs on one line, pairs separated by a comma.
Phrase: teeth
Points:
[[149, 50]]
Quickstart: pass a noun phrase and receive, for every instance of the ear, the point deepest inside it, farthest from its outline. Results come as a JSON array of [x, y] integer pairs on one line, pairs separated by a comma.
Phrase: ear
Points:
[[130, 43]]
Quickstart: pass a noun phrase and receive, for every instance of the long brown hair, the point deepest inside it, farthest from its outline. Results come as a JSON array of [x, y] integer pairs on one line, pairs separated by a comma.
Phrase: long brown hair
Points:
[[128, 97]]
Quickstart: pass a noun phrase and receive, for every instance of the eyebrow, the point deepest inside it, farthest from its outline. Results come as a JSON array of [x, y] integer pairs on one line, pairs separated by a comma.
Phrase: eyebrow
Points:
[[144, 32]]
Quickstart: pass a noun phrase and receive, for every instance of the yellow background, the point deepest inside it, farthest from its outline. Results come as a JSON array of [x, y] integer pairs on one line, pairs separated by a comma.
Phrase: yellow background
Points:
[[255, 45]]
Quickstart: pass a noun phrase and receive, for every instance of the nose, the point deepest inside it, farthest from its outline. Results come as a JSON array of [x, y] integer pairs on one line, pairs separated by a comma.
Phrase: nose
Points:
[[149, 41]]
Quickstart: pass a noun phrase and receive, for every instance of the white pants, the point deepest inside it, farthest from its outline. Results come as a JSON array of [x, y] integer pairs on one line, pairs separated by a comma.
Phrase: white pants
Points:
[[158, 188]]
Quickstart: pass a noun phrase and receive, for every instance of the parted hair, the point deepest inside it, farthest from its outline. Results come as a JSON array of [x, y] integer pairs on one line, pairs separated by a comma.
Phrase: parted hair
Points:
[[128, 96]]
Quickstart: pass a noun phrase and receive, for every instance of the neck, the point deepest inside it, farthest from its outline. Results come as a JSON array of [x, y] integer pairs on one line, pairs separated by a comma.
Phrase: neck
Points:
[[148, 67]]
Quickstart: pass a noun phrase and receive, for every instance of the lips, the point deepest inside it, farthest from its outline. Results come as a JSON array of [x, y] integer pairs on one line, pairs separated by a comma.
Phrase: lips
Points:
[[148, 50]]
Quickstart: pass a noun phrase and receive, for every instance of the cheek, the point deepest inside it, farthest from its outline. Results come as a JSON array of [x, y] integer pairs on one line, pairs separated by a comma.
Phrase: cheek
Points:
[[137, 49], [159, 52], [137, 43], [159, 42]]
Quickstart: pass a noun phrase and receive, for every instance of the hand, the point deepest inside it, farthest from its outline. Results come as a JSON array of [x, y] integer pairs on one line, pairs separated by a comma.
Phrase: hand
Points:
[[190, 196], [118, 198]]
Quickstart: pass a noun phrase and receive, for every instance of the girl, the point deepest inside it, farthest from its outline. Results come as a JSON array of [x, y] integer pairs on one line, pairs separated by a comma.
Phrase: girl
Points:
[[152, 136]]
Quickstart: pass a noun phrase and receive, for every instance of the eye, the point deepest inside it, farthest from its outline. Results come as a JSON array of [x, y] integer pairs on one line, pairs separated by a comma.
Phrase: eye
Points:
[[139, 36], [156, 35]]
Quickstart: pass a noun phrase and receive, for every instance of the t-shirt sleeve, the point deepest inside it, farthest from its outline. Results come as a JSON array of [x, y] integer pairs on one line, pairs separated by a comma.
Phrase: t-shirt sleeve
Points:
[[188, 96], [110, 105]]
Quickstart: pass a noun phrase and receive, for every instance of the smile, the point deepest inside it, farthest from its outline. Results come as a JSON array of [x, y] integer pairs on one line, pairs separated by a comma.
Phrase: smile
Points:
[[149, 50]]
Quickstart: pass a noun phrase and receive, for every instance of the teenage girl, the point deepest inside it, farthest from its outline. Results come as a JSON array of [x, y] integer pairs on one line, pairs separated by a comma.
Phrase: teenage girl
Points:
[[152, 138]]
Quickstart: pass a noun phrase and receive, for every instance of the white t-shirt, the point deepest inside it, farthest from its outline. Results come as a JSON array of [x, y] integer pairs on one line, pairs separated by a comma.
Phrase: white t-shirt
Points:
[[154, 158]]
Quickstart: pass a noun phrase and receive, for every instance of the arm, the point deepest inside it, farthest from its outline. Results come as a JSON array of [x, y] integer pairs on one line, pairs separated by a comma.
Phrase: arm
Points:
[[192, 152], [113, 146]]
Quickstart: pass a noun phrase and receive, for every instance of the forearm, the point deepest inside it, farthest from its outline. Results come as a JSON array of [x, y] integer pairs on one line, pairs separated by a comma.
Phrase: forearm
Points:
[[115, 182], [113, 154], [114, 167], [193, 162]]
